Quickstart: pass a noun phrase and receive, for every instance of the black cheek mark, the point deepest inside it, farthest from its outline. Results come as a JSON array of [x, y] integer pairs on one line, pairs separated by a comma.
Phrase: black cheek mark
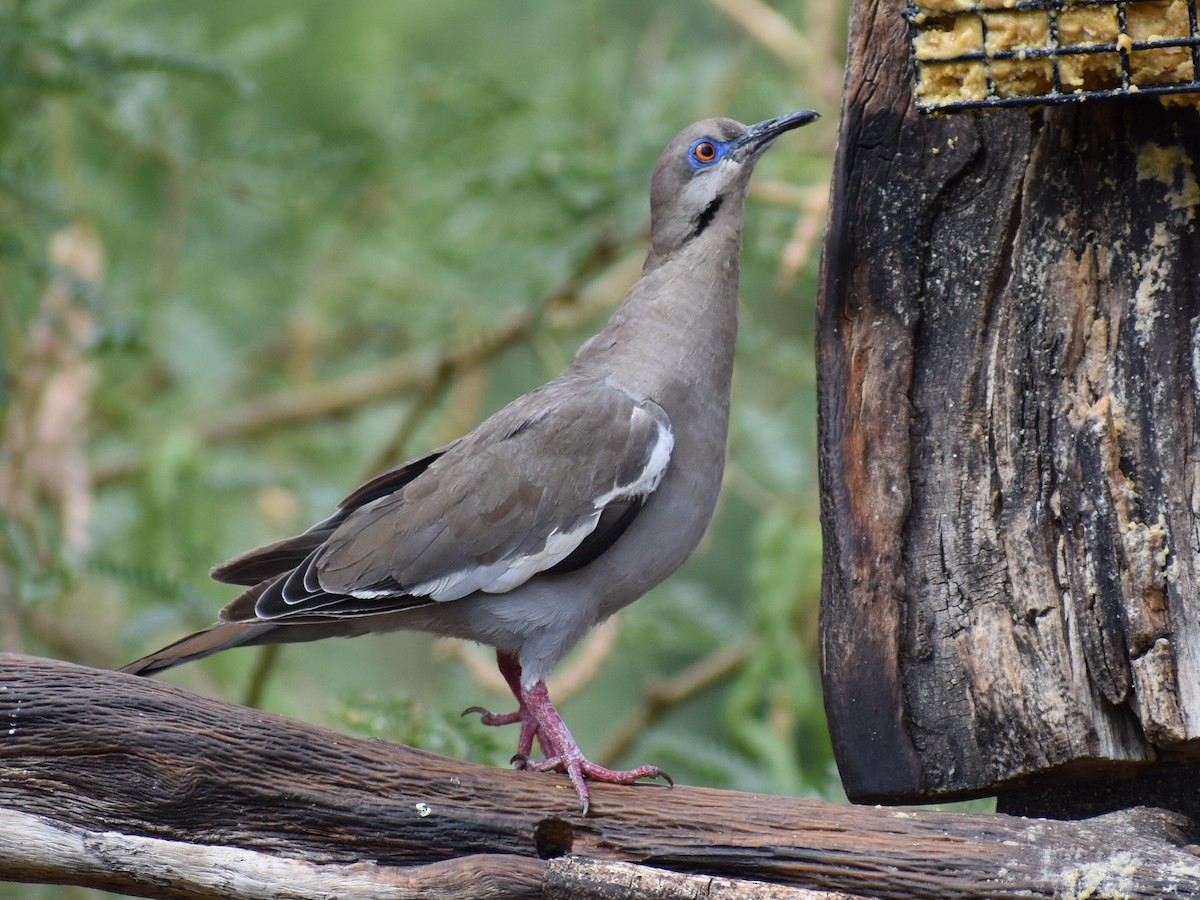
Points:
[[705, 218]]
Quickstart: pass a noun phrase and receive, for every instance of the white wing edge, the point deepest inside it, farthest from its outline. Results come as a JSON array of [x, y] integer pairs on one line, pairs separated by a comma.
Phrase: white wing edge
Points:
[[505, 575]]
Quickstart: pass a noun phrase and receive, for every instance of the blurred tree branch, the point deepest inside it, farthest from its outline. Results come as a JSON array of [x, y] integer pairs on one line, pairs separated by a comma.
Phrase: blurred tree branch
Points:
[[572, 677], [567, 306], [814, 54], [661, 695], [43, 431], [771, 29]]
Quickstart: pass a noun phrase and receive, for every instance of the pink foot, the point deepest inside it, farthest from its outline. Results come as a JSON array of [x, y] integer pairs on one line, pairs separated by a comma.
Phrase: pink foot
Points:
[[510, 668], [568, 757], [540, 719], [529, 727]]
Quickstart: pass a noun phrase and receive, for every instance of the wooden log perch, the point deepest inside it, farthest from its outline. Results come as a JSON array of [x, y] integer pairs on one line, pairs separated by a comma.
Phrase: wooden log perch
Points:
[[132, 785]]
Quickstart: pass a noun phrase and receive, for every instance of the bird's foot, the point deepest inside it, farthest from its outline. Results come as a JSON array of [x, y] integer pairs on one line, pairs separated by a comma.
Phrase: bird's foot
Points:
[[491, 718], [564, 755], [581, 770], [510, 668], [529, 726]]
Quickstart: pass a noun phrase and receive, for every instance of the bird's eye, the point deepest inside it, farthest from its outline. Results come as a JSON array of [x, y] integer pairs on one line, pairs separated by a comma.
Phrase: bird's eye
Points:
[[705, 151]]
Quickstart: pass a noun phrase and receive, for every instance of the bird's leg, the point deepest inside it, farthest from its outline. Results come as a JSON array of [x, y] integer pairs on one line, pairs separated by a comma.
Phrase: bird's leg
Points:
[[568, 757], [510, 668]]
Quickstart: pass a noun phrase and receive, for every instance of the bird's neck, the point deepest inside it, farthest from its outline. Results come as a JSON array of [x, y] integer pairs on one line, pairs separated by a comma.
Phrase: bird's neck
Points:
[[716, 229], [682, 314]]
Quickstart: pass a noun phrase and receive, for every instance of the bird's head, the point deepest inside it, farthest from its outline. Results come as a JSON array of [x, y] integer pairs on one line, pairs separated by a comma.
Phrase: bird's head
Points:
[[701, 177]]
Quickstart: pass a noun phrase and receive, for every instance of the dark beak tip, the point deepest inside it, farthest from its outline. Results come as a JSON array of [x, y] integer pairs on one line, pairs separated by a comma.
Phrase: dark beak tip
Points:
[[766, 132], [796, 119]]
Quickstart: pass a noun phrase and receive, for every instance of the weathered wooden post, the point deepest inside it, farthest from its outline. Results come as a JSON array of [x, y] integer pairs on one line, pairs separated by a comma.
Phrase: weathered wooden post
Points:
[[1009, 360]]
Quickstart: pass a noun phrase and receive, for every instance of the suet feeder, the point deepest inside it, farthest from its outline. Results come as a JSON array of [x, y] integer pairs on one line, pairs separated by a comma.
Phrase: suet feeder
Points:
[[973, 54]]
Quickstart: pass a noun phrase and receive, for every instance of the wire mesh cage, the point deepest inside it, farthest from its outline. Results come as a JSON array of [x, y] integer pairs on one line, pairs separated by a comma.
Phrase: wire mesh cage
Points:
[[971, 54]]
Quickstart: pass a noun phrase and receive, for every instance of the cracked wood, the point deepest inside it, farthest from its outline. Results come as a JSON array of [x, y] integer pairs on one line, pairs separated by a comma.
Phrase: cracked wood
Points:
[[1009, 359], [126, 783]]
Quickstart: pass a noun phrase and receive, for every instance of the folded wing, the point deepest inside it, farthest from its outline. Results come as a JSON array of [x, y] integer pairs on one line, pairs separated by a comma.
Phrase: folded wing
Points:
[[544, 486]]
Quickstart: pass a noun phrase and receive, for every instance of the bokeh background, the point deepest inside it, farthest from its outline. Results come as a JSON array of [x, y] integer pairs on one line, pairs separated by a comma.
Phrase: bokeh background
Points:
[[253, 253]]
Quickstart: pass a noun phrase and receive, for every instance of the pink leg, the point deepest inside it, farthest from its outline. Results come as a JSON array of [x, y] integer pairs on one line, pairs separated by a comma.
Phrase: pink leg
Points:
[[568, 757], [510, 668]]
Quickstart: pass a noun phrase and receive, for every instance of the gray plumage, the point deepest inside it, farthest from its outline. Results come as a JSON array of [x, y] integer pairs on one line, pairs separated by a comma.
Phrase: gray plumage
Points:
[[566, 505]]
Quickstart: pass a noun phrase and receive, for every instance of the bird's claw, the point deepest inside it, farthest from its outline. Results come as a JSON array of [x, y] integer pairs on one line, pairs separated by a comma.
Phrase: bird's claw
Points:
[[581, 770], [490, 718], [539, 719]]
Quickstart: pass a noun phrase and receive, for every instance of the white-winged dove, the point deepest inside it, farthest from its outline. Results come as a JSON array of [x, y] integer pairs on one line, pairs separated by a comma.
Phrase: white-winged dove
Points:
[[563, 507]]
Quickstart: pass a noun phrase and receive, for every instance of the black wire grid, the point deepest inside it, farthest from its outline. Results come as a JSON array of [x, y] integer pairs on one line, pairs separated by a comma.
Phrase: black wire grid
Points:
[[921, 20]]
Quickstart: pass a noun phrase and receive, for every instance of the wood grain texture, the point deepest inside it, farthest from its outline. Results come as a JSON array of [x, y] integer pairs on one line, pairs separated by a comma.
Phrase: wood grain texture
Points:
[[102, 760], [575, 878], [34, 849], [1010, 460]]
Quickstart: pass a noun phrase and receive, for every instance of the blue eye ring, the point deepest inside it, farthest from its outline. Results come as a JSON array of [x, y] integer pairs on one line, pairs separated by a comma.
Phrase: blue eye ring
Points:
[[705, 152]]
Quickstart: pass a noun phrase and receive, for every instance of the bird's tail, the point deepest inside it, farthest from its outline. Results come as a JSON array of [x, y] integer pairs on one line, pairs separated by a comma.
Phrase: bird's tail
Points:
[[211, 640]]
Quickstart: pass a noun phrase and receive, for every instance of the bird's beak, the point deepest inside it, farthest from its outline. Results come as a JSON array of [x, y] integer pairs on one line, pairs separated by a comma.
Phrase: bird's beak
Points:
[[757, 137]]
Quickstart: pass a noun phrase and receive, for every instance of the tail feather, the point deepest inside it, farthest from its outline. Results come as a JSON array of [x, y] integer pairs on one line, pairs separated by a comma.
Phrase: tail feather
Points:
[[269, 562], [280, 558], [211, 640]]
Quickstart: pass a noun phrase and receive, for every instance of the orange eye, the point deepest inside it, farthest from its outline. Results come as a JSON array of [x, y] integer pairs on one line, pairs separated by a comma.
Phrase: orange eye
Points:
[[705, 152]]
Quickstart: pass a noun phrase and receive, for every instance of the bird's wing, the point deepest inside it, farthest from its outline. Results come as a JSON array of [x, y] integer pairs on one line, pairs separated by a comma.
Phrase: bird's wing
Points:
[[263, 563], [545, 485]]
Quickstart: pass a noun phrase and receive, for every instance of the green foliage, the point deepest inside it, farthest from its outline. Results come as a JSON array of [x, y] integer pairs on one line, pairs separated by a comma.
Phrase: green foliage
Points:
[[33, 575], [775, 699], [290, 192], [396, 717]]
